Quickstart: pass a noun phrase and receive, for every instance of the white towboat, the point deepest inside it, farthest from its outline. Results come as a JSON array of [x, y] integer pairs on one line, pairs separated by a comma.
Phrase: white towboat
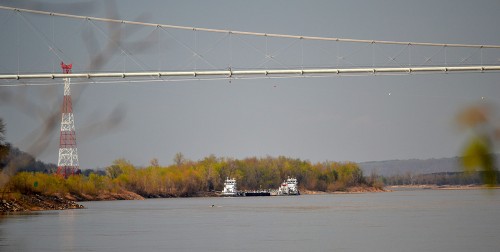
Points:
[[289, 187], [230, 188]]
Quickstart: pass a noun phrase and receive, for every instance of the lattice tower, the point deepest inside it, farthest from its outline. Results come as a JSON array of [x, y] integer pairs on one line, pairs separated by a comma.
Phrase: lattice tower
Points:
[[67, 163]]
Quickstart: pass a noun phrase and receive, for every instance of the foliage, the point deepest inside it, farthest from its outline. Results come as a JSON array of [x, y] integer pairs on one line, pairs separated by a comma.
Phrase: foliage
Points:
[[439, 178], [477, 155], [189, 178], [478, 151]]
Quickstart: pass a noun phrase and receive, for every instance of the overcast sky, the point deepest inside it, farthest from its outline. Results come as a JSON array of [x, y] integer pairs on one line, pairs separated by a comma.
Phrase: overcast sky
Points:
[[346, 118]]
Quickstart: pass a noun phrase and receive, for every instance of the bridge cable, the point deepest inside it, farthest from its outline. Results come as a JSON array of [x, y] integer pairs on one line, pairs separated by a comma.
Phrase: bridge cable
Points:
[[249, 33]]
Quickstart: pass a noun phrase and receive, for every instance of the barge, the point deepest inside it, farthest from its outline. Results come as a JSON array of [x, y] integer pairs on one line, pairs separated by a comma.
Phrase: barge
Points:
[[257, 193]]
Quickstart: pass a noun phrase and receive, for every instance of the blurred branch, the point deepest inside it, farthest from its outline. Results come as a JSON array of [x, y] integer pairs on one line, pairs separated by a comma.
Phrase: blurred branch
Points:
[[49, 113]]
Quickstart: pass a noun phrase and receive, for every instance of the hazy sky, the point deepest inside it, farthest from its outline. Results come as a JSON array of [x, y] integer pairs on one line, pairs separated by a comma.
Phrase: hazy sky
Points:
[[355, 118]]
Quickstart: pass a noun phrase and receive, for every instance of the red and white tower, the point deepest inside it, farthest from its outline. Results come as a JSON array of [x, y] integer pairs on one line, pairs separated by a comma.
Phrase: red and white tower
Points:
[[67, 163]]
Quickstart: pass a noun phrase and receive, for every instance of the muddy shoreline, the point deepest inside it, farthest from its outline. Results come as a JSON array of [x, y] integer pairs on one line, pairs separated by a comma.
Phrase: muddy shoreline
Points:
[[36, 202], [21, 203]]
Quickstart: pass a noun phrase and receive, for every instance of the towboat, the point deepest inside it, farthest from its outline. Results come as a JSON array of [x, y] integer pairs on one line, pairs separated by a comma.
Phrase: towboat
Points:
[[289, 187], [230, 188]]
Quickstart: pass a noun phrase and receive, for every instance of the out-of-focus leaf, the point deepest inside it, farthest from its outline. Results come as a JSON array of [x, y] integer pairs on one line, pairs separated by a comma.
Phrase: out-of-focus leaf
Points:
[[473, 116], [477, 157], [474, 153]]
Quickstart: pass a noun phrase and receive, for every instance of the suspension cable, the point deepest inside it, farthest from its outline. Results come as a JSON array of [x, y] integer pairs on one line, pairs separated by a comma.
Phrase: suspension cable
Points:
[[275, 35]]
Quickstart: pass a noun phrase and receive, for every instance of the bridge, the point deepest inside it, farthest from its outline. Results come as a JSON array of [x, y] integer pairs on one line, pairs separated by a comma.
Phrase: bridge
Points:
[[108, 50], [277, 55]]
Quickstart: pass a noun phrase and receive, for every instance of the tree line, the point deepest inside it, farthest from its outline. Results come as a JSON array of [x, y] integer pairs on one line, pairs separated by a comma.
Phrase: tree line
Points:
[[440, 178], [190, 178]]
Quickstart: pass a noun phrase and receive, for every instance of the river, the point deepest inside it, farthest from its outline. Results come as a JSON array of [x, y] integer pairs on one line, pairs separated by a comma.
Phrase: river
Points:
[[415, 220]]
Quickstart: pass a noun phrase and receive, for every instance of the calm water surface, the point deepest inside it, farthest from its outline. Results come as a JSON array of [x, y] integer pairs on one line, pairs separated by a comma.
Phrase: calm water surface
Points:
[[422, 220]]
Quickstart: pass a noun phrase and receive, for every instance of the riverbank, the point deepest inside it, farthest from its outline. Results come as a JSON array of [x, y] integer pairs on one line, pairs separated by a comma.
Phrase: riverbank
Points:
[[439, 187], [35, 202], [354, 189], [120, 195], [17, 202]]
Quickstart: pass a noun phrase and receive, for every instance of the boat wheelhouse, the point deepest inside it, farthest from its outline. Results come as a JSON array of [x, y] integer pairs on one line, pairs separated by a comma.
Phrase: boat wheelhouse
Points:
[[289, 187], [230, 188]]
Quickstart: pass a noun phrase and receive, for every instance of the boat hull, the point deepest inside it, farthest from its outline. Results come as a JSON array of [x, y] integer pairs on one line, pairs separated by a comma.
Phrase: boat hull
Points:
[[256, 194]]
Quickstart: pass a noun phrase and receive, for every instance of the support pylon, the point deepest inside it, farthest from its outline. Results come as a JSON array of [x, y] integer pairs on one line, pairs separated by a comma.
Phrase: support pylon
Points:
[[67, 163]]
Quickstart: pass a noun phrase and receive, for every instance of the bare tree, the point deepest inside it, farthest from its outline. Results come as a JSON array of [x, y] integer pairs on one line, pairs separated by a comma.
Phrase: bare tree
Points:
[[179, 158], [154, 162], [4, 149]]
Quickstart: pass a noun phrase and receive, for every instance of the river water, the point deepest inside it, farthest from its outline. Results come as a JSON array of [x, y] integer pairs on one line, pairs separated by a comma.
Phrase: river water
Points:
[[419, 220]]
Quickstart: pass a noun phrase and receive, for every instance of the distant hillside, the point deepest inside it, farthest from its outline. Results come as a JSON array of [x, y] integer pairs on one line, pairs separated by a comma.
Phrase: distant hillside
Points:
[[414, 166]]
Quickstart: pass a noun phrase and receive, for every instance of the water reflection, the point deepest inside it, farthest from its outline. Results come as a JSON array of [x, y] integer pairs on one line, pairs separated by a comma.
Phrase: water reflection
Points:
[[67, 226]]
